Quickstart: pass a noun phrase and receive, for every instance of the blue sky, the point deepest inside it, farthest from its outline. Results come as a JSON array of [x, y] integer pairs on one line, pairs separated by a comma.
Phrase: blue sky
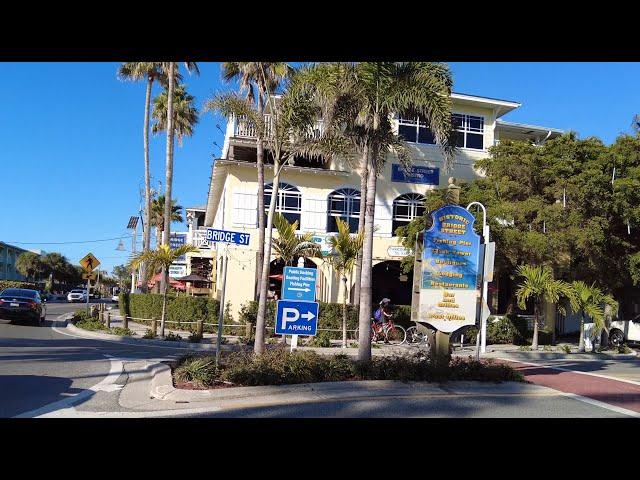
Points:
[[72, 159]]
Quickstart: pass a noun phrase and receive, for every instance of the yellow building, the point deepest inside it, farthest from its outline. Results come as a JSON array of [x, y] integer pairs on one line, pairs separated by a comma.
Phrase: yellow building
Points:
[[316, 193]]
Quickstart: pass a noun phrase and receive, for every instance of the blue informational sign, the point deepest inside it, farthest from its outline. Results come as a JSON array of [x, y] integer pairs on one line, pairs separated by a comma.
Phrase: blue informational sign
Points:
[[299, 284], [296, 318], [177, 240], [450, 257], [223, 236], [415, 174]]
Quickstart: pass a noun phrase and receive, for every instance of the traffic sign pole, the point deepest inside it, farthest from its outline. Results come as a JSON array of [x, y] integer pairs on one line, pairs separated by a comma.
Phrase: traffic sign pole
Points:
[[88, 290], [225, 261]]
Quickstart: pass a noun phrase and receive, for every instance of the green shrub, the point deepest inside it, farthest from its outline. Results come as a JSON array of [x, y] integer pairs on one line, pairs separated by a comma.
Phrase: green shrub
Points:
[[624, 348], [195, 338], [566, 348], [502, 331], [199, 370], [125, 332], [16, 284], [149, 334], [525, 348], [171, 337], [323, 339]]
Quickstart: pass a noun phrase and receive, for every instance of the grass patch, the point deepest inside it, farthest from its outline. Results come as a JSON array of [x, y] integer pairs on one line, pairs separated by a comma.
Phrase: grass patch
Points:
[[281, 367]]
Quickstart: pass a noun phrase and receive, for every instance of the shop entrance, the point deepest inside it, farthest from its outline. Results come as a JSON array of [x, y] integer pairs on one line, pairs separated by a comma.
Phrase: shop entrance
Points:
[[388, 281]]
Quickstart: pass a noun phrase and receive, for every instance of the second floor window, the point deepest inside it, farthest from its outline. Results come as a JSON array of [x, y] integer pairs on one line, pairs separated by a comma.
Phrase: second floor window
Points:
[[407, 207], [288, 203], [415, 131], [343, 204]]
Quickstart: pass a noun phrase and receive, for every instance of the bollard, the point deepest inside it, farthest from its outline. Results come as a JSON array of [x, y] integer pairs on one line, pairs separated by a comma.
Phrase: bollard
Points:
[[199, 327], [248, 328], [108, 322], [154, 326], [125, 322]]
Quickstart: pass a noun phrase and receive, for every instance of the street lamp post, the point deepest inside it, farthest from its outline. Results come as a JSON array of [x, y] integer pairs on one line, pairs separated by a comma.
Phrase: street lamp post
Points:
[[485, 284]]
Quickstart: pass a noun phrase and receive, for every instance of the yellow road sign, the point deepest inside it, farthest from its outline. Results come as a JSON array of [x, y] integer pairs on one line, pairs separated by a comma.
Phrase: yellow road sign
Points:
[[90, 276], [89, 262]]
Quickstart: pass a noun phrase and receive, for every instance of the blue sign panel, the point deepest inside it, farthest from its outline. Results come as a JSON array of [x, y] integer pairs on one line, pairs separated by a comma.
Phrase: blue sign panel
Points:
[[296, 318], [223, 236], [451, 251], [177, 240], [299, 284], [414, 174]]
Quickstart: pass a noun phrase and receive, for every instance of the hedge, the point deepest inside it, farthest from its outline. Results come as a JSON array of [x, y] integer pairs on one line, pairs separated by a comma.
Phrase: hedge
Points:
[[329, 316], [509, 329], [179, 309], [15, 284]]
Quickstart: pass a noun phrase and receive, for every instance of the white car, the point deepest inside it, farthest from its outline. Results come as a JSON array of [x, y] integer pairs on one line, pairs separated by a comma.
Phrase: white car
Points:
[[114, 298], [77, 296], [625, 331]]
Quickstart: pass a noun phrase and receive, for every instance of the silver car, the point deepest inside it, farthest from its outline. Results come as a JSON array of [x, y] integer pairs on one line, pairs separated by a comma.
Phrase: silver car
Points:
[[77, 295]]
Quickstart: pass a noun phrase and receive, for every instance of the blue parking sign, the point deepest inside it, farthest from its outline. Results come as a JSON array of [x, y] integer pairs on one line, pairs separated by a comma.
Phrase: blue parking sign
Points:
[[296, 318]]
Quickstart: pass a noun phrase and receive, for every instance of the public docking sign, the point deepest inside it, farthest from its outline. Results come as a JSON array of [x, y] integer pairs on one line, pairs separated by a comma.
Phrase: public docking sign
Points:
[[449, 292]]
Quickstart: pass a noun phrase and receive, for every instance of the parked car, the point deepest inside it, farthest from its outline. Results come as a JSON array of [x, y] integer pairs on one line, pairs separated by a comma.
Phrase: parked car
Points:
[[22, 304], [114, 298], [625, 331], [77, 295]]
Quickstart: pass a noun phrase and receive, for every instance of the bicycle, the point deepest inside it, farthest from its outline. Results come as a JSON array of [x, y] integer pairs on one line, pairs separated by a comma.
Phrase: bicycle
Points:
[[393, 334]]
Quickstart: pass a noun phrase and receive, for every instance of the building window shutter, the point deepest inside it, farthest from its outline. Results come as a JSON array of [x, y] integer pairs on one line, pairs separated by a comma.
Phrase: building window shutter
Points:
[[314, 215], [383, 218], [244, 212]]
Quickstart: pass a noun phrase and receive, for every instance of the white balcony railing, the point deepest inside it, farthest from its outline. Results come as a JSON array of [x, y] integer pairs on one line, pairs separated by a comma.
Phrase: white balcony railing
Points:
[[245, 129], [200, 239]]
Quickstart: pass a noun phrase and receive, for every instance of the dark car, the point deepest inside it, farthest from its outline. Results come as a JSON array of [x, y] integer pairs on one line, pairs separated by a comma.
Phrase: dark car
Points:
[[22, 304]]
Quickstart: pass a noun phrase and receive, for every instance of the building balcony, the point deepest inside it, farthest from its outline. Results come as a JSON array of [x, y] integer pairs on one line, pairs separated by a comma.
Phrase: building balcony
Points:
[[242, 128]]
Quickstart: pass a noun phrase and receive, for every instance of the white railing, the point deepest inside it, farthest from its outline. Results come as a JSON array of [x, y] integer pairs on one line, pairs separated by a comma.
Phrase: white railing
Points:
[[246, 129], [200, 239]]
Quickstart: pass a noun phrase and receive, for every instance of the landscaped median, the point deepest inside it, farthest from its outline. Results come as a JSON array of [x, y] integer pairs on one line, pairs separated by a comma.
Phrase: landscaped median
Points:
[[81, 319], [281, 367]]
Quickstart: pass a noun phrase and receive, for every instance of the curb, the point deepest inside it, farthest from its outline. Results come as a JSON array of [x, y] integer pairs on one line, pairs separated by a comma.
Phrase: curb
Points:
[[139, 341], [540, 355]]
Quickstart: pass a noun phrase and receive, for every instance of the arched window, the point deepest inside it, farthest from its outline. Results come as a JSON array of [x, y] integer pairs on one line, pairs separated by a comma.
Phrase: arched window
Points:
[[343, 204], [407, 207], [288, 203]]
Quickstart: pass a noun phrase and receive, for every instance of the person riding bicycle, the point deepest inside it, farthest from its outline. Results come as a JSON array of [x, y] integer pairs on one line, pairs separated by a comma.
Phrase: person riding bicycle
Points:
[[381, 315]]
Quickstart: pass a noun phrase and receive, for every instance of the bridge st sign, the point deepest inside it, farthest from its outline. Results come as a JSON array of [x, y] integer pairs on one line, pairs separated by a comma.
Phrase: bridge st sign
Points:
[[296, 318], [224, 236], [299, 284]]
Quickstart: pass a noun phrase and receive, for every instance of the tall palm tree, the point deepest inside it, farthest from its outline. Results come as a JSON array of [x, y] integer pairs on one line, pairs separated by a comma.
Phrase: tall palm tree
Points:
[[172, 71], [265, 78], [185, 113], [345, 250], [288, 246], [161, 259], [539, 285], [157, 216], [30, 265], [149, 71], [363, 108], [590, 301]]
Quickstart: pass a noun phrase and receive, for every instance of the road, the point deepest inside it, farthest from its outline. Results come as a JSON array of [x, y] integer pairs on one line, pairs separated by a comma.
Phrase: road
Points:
[[46, 371]]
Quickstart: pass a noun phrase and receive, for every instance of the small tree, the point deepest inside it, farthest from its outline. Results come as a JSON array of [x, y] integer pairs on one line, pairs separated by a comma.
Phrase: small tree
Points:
[[539, 285], [30, 265], [343, 257], [590, 301], [288, 246], [161, 259]]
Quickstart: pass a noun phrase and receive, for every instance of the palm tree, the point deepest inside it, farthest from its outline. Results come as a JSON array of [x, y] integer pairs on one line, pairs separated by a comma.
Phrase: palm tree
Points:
[[539, 285], [363, 108], [149, 71], [161, 259], [345, 251], [54, 265], [288, 246], [185, 114], [265, 78], [590, 301], [157, 216], [30, 265], [291, 119], [172, 71]]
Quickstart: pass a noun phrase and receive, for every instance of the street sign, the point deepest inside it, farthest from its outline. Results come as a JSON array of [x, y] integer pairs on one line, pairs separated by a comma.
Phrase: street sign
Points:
[[224, 236], [90, 276], [296, 318], [299, 284], [89, 262]]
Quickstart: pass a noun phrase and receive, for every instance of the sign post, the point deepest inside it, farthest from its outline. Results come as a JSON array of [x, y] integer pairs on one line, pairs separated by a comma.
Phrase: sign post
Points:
[[227, 237], [89, 263]]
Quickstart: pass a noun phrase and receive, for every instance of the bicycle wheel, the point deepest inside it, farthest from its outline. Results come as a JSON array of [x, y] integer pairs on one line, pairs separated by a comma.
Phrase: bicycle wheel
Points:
[[414, 337], [397, 335]]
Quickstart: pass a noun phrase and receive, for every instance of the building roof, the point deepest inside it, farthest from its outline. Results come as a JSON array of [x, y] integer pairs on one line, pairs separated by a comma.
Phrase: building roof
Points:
[[200, 208], [501, 106], [525, 129], [12, 246]]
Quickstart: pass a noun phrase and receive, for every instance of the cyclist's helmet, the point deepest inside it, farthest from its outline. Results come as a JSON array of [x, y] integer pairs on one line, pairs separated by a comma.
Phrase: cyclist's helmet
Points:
[[385, 301]]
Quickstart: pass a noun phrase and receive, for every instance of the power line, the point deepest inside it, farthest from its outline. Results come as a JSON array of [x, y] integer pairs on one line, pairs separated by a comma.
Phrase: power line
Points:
[[68, 243]]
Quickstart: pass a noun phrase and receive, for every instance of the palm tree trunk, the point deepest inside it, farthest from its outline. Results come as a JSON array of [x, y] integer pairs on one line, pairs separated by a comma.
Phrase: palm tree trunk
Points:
[[169, 162], [364, 344], [363, 194], [344, 313], [260, 165], [164, 300], [534, 344], [581, 347], [264, 279], [146, 240]]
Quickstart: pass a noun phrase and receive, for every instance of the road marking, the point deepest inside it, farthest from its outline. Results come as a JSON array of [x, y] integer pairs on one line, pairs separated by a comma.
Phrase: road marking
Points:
[[105, 385], [581, 398], [72, 412]]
